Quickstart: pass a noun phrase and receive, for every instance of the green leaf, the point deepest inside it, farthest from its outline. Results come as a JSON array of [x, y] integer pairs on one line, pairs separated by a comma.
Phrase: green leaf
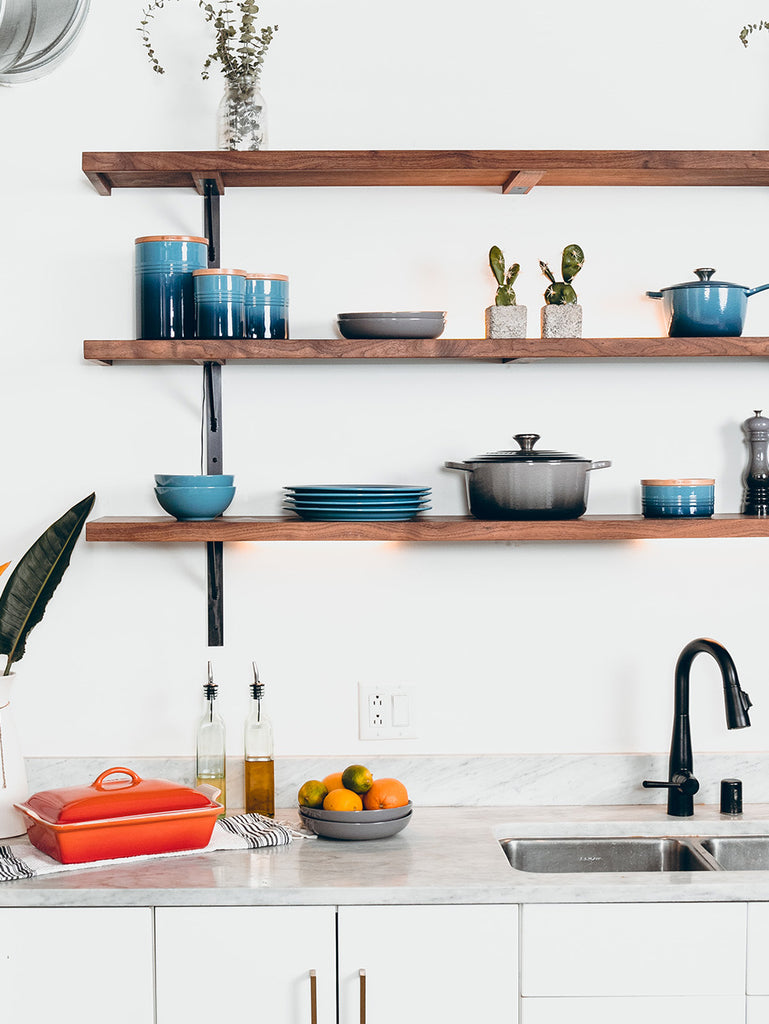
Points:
[[572, 261], [36, 577], [497, 263]]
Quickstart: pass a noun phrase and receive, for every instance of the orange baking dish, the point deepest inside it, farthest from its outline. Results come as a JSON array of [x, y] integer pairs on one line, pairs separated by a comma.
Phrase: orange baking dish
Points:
[[121, 818]]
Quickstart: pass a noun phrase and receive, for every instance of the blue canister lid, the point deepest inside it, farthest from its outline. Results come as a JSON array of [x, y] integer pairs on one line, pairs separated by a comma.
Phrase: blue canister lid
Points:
[[170, 252], [267, 288], [217, 283]]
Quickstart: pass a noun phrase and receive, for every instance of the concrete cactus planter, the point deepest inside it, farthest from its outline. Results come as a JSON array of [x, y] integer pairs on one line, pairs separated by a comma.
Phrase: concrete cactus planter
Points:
[[562, 321], [505, 321]]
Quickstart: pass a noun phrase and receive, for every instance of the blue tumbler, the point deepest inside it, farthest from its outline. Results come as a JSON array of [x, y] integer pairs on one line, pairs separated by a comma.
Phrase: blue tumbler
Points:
[[266, 306], [165, 306], [219, 298]]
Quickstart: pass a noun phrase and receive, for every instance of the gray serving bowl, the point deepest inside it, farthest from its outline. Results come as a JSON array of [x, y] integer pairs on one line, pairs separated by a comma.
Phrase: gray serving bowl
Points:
[[354, 830], [392, 325], [382, 814]]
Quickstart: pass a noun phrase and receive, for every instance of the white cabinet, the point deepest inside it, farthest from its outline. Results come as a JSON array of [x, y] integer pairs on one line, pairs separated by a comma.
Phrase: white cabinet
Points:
[[758, 1010], [76, 965], [758, 950], [245, 963], [451, 964], [606, 962]]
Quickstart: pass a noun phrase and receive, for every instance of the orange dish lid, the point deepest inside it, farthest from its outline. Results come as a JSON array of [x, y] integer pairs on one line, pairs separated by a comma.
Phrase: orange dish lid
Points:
[[171, 238], [118, 798]]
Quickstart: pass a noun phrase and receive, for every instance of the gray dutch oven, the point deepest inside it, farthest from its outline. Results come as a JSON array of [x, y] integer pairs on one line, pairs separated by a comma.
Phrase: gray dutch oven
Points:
[[527, 484], [705, 308]]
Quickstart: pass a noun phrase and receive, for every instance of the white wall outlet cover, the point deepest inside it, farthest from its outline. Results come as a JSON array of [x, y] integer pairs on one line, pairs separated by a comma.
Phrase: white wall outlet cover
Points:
[[386, 712]]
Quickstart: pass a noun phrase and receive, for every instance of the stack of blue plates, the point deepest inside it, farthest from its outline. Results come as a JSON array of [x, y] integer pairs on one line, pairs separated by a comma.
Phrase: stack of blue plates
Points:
[[357, 502]]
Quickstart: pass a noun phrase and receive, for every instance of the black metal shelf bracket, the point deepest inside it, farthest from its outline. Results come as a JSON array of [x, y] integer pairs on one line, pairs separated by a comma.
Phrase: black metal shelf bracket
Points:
[[211, 434]]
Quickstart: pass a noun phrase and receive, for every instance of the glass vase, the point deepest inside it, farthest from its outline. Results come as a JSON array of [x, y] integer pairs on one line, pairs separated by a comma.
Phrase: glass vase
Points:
[[242, 115], [13, 773]]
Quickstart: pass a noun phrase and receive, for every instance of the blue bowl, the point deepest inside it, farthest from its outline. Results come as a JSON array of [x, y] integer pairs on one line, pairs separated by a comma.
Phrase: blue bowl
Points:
[[175, 480], [661, 499], [194, 503]]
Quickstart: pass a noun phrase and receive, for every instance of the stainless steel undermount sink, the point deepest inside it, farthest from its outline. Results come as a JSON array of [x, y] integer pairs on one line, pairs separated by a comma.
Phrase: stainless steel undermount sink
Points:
[[739, 853], [609, 854]]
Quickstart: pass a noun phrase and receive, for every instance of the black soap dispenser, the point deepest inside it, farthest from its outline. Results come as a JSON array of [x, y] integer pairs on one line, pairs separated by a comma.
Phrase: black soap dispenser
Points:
[[756, 478]]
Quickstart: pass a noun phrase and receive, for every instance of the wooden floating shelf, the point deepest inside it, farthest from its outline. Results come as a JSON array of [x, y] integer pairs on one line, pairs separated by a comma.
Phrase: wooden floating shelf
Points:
[[510, 171], [480, 349], [444, 529]]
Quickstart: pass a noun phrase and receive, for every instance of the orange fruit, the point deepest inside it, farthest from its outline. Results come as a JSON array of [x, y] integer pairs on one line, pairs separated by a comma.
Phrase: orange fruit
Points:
[[357, 778], [385, 793], [333, 781], [342, 800], [312, 794]]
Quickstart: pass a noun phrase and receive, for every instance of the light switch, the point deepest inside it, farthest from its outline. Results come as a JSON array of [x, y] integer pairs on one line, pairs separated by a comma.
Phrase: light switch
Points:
[[400, 710]]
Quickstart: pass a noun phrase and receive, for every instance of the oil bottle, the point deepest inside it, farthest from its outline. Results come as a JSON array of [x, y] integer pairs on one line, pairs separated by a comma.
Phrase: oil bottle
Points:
[[211, 746], [259, 763]]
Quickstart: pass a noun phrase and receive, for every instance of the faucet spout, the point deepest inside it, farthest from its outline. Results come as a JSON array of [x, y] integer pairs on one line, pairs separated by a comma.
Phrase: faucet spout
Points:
[[681, 784]]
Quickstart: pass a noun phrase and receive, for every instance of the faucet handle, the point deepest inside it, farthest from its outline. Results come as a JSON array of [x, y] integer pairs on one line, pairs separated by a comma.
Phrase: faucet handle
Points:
[[683, 781]]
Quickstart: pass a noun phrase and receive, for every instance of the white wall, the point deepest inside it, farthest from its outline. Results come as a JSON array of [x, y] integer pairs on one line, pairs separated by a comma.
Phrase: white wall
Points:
[[515, 648]]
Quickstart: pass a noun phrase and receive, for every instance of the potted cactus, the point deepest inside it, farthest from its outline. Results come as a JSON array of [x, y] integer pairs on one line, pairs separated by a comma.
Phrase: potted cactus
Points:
[[562, 314], [505, 319]]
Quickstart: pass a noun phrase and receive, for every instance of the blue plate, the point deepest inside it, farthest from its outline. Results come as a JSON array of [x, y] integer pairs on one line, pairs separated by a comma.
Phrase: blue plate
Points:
[[356, 489], [361, 517], [346, 510], [342, 502]]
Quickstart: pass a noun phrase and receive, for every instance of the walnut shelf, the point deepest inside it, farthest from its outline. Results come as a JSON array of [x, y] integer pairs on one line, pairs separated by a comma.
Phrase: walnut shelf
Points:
[[444, 529], [511, 171], [480, 349]]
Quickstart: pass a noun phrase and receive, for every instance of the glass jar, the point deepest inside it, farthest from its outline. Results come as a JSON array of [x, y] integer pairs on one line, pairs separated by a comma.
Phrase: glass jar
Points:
[[242, 116]]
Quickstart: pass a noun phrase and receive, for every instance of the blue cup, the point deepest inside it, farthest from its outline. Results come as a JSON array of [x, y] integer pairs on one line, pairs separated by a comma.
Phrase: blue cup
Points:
[[165, 305], [266, 306], [219, 303], [661, 499]]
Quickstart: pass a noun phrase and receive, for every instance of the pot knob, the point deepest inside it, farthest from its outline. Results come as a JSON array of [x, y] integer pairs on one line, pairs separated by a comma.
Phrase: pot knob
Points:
[[526, 441], [704, 273]]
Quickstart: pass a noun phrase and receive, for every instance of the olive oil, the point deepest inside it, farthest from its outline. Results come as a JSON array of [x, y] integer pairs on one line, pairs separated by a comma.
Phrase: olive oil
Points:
[[260, 786], [258, 749]]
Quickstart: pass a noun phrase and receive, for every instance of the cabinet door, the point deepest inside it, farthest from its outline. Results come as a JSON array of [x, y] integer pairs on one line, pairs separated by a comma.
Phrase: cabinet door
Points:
[[758, 949], [637, 1010], [615, 949], [758, 1010], [245, 963], [76, 965], [451, 964]]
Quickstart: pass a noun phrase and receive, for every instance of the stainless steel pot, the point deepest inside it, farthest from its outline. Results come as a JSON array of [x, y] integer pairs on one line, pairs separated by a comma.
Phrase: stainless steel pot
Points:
[[527, 484]]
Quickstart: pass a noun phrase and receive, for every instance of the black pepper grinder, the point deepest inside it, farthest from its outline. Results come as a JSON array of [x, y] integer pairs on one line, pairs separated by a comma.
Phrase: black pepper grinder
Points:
[[756, 478]]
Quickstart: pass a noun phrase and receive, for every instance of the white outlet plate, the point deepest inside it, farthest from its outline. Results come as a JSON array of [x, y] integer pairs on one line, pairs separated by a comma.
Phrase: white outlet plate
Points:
[[386, 712]]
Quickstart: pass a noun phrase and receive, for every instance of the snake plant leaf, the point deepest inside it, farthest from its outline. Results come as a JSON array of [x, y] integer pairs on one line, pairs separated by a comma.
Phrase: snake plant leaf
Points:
[[35, 578]]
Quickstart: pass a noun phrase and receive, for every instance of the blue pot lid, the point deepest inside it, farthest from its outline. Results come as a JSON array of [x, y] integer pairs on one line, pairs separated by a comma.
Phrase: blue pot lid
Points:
[[705, 274]]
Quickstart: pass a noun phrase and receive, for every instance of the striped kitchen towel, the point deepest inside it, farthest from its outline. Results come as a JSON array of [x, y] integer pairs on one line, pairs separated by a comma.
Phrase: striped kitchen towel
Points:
[[240, 832]]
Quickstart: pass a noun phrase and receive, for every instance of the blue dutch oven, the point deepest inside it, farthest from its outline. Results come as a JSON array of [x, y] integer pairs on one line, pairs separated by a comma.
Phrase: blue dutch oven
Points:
[[705, 308]]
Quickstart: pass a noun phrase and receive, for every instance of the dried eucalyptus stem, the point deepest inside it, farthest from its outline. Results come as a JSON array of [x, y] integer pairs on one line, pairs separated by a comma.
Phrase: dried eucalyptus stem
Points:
[[749, 29], [240, 46]]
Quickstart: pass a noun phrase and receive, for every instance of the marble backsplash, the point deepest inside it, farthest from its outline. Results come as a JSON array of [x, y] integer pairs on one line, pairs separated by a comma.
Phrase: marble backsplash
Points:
[[529, 780]]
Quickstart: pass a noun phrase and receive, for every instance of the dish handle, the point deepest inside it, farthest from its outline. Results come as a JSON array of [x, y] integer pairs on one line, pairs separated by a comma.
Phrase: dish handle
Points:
[[135, 779]]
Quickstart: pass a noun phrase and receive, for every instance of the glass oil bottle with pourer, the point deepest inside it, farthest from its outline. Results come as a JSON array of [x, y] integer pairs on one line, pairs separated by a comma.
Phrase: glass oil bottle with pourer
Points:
[[211, 747], [259, 763]]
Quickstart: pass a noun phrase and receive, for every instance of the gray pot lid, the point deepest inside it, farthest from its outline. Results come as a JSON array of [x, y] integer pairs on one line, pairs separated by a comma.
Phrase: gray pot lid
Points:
[[705, 275], [526, 453]]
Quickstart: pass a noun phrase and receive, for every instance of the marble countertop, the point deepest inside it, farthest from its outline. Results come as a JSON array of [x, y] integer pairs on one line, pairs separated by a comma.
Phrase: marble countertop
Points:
[[446, 855]]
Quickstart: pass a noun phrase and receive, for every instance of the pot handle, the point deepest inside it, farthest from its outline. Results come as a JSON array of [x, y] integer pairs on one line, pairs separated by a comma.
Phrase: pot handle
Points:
[[654, 295], [598, 465], [135, 779], [761, 288], [461, 466]]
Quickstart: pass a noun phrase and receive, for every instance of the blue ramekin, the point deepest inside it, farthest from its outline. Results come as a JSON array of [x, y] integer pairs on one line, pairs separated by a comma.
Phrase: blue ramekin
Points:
[[680, 497]]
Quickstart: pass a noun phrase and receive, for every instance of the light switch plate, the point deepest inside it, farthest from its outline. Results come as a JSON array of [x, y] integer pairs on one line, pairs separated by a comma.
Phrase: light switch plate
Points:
[[386, 712]]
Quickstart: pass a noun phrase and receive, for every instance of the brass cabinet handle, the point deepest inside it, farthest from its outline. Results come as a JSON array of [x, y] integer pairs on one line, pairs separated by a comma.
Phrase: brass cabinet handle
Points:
[[362, 977], [313, 998]]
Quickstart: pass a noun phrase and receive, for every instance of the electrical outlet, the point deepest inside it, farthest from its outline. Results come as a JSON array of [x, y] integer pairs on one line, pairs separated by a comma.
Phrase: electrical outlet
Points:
[[386, 712]]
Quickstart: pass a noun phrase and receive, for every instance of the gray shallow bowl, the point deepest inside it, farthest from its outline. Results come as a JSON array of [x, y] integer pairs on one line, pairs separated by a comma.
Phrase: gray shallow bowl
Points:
[[356, 831], [367, 817], [376, 326]]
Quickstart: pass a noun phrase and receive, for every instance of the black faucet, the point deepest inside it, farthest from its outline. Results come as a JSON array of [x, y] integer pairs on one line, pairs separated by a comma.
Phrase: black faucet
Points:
[[681, 784]]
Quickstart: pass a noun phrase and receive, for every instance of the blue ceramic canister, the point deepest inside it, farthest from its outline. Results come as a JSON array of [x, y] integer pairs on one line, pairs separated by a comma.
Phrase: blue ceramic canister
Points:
[[690, 497], [219, 303], [165, 305], [266, 306]]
